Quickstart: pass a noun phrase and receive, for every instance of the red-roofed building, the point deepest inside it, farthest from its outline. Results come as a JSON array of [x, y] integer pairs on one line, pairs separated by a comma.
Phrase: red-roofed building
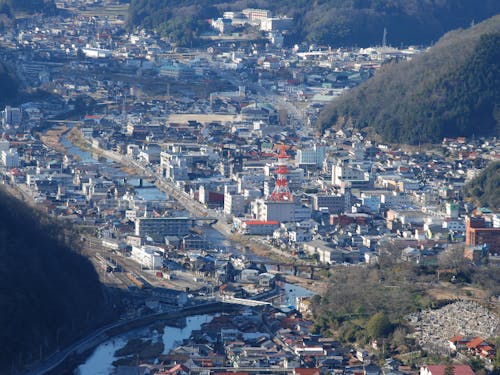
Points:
[[475, 343], [458, 342], [440, 370]]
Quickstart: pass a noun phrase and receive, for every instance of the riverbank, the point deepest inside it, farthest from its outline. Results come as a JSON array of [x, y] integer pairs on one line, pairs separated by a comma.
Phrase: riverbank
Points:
[[52, 138], [258, 248]]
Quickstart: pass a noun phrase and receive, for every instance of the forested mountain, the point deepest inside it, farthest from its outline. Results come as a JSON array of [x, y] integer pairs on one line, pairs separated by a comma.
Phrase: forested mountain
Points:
[[332, 22], [49, 293], [484, 189], [451, 90]]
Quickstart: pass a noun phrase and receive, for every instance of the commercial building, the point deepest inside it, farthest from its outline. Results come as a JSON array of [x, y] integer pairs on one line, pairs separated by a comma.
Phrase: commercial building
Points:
[[311, 157], [335, 204]]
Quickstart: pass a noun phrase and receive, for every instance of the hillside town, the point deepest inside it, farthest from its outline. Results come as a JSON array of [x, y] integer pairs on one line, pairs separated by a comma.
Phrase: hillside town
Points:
[[198, 175]]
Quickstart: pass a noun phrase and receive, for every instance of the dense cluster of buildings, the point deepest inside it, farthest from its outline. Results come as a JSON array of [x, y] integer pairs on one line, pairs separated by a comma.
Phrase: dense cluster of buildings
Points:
[[238, 145]]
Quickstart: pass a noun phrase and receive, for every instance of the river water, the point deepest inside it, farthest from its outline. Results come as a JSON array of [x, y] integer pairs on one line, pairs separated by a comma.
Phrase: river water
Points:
[[100, 361], [148, 192]]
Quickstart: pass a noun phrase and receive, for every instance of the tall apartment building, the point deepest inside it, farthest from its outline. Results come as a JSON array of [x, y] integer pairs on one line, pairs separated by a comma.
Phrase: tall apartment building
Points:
[[158, 227]]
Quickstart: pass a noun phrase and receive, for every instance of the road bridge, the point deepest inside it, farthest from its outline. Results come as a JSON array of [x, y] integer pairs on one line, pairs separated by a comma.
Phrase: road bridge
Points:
[[244, 302]]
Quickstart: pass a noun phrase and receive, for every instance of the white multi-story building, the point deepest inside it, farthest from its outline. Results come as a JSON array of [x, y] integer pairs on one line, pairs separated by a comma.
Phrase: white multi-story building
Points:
[[342, 173], [234, 204], [281, 211], [276, 24], [452, 210], [158, 227], [256, 14], [311, 156], [10, 158], [456, 225], [147, 256], [12, 116]]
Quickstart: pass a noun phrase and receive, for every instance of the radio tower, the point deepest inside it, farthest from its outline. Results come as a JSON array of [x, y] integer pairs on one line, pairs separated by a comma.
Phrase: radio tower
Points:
[[281, 193]]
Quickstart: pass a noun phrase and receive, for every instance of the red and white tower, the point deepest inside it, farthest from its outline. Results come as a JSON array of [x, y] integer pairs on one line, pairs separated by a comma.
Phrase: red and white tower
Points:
[[281, 193]]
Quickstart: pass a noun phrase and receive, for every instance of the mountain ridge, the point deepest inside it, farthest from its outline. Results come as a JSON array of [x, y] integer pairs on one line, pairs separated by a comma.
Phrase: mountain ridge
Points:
[[50, 293], [332, 22], [451, 90]]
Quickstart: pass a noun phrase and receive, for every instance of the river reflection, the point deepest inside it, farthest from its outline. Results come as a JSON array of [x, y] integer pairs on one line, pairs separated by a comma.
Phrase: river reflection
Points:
[[101, 360]]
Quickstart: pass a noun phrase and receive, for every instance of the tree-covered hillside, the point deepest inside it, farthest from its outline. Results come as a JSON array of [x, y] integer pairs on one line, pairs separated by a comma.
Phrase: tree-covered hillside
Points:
[[8, 86], [30, 6], [484, 190], [49, 293], [332, 22], [451, 90]]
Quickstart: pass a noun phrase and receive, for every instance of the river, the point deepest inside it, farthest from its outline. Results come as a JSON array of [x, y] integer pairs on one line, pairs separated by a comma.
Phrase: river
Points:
[[100, 361], [148, 192]]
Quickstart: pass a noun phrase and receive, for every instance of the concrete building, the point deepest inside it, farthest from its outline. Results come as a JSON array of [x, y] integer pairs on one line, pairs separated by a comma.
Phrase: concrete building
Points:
[[11, 116], [344, 173], [452, 210], [96, 53], [147, 256], [282, 211], [310, 157], [280, 24], [257, 227], [254, 14], [4, 145], [10, 158], [234, 204], [335, 204], [478, 234], [159, 227], [372, 202]]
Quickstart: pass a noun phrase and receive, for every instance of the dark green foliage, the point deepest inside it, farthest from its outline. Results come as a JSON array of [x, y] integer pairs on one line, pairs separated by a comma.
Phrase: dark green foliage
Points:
[[49, 294], [31, 6], [361, 302], [451, 90], [332, 22], [378, 326], [8, 85], [181, 21], [484, 190]]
